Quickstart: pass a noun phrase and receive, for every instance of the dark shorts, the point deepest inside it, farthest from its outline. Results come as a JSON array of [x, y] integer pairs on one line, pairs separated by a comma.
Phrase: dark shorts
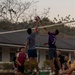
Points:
[[32, 53], [21, 69], [52, 53]]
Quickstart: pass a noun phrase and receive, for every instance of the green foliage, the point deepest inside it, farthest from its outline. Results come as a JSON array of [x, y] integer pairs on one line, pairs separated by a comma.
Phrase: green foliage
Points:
[[46, 21], [64, 30], [33, 65], [5, 24], [9, 66], [46, 63], [6, 66]]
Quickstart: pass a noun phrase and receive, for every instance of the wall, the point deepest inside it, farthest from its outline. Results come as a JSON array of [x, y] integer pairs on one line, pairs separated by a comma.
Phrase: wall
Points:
[[5, 54], [42, 57]]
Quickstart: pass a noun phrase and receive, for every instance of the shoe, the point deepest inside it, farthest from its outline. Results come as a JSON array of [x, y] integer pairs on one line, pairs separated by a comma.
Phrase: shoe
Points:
[[52, 73]]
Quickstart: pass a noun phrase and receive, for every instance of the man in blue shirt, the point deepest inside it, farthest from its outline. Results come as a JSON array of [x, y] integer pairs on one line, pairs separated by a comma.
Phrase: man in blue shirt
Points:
[[31, 46]]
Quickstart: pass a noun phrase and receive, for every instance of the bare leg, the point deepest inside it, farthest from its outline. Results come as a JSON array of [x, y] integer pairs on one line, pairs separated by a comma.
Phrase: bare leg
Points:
[[30, 64], [69, 71], [36, 63], [58, 62], [52, 65]]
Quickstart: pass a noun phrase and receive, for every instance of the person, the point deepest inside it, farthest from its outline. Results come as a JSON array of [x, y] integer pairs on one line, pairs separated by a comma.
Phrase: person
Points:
[[52, 48], [69, 70], [61, 59], [20, 59], [31, 48], [14, 63], [67, 63]]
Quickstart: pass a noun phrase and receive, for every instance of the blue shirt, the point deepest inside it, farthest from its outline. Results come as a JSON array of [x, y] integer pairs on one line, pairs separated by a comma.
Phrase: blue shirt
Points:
[[31, 41]]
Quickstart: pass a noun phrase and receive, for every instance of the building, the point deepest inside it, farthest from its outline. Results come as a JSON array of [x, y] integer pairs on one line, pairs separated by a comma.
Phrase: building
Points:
[[10, 43]]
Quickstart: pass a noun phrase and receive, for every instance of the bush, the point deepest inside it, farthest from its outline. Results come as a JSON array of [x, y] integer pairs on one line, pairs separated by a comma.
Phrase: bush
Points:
[[27, 65], [46, 63], [9, 66], [6, 66]]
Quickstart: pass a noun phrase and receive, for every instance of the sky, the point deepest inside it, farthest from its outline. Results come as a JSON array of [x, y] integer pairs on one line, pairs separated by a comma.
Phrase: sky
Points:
[[61, 7]]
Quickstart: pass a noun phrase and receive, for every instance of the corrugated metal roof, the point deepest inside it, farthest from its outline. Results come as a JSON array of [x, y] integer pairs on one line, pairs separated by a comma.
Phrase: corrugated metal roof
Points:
[[19, 38]]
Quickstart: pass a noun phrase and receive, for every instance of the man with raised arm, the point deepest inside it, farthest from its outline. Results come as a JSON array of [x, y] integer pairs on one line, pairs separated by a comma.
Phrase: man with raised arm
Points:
[[31, 46], [52, 48]]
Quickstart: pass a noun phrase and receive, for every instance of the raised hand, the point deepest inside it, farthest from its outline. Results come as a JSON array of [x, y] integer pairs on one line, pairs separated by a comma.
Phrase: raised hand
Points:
[[37, 18]]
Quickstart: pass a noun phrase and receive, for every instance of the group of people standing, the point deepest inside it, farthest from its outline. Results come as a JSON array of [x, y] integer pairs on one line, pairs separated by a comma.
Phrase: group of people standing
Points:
[[64, 61], [27, 53], [30, 48]]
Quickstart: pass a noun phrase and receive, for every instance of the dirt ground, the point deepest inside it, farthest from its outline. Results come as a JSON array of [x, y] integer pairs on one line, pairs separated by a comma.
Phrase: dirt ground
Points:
[[7, 74]]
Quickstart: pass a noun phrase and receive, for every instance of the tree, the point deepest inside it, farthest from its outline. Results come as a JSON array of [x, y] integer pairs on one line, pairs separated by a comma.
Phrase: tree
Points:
[[13, 10], [59, 19]]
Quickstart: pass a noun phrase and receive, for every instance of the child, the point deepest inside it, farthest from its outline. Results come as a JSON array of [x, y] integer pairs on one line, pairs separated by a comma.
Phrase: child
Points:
[[21, 58]]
